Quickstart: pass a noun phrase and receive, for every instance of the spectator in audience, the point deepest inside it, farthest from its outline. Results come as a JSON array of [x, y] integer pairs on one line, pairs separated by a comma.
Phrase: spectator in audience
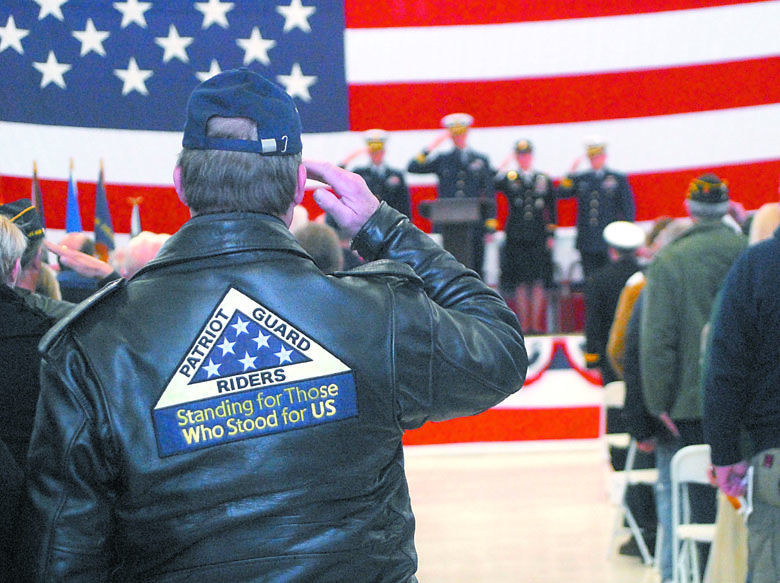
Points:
[[231, 413], [602, 292], [74, 286], [740, 387], [322, 243], [23, 214], [140, 250], [682, 282]]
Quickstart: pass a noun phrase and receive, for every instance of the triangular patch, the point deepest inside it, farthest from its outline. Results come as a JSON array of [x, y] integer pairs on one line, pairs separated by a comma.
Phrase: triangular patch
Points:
[[250, 373]]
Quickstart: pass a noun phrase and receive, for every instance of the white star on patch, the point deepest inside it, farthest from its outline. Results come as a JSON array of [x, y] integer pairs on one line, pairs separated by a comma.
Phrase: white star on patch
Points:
[[296, 83], [248, 361], [175, 46], [227, 347], [214, 12], [296, 15], [52, 71], [91, 39], [256, 47], [134, 78], [212, 368], [11, 37], [240, 327], [53, 7], [133, 12], [262, 340], [283, 355], [213, 70]]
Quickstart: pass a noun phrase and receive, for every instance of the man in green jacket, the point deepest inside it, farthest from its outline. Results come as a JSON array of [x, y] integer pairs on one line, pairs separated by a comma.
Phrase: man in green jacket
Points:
[[682, 283]]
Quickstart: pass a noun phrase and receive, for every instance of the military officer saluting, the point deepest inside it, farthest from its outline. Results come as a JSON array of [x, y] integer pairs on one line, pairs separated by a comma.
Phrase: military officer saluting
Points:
[[387, 184], [526, 257], [603, 196], [462, 173]]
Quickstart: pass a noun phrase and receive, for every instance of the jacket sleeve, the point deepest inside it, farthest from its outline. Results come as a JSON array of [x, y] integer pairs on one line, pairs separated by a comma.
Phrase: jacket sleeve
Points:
[[68, 530], [658, 338], [467, 351], [730, 366]]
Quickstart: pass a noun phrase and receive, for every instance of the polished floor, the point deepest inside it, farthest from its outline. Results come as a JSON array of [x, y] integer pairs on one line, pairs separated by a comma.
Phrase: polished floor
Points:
[[534, 513]]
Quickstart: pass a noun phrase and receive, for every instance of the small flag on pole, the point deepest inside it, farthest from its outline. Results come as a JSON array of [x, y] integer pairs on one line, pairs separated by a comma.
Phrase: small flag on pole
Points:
[[72, 213], [135, 217], [37, 195], [104, 228]]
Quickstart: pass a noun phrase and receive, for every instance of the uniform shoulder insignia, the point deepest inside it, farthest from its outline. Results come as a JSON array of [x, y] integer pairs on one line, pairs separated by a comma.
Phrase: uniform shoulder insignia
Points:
[[567, 182], [382, 267], [80, 309], [511, 175]]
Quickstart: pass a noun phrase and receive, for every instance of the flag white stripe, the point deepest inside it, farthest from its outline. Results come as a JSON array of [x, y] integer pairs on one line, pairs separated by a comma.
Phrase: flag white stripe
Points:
[[563, 47], [651, 144]]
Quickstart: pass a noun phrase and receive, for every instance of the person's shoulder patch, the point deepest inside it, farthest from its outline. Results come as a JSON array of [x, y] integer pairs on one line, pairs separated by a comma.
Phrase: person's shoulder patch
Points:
[[247, 374], [78, 311]]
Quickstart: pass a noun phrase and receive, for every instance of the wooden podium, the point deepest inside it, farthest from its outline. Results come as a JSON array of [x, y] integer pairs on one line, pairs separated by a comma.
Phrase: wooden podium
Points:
[[460, 221]]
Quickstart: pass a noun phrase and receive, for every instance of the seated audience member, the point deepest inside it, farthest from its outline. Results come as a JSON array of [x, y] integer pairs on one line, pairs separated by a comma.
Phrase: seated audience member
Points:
[[141, 250], [322, 243], [48, 285], [74, 286], [21, 328]]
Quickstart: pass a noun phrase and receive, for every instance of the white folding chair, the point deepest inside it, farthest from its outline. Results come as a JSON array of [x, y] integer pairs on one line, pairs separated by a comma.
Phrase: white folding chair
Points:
[[614, 396], [690, 465]]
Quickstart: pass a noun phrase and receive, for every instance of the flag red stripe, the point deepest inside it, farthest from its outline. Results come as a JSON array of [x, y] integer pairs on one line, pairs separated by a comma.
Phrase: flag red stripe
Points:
[[401, 13], [658, 193], [497, 425], [566, 99]]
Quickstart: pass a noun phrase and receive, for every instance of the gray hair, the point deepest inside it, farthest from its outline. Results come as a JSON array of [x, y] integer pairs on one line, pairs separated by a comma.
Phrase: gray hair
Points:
[[12, 245], [224, 181], [707, 210]]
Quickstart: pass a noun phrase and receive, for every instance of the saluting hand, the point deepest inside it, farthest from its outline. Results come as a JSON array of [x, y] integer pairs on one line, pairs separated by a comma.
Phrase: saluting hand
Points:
[[352, 204]]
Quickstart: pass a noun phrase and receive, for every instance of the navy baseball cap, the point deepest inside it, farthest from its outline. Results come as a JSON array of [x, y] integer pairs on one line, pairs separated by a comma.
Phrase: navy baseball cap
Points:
[[243, 93]]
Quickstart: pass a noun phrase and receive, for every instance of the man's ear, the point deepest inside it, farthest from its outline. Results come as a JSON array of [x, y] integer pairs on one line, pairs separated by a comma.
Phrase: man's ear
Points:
[[300, 187], [177, 184], [15, 271]]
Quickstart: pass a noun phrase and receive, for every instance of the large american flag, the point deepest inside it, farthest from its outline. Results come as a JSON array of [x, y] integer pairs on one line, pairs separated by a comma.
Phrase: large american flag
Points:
[[677, 87]]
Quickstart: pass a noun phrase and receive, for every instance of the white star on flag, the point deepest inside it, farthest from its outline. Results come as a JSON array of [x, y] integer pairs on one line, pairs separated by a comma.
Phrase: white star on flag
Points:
[[226, 346], [134, 78], [212, 369], [240, 327], [248, 361], [256, 47], [283, 355], [52, 71], [91, 39], [296, 15], [213, 70], [133, 12], [262, 340], [175, 46], [11, 37], [214, 12], [296, 83], [53, 7]]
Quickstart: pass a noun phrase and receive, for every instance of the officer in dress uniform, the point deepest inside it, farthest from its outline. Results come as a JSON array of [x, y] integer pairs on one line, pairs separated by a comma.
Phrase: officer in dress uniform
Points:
[[462, 173], [386, 183], [603, 196], [526, 257]]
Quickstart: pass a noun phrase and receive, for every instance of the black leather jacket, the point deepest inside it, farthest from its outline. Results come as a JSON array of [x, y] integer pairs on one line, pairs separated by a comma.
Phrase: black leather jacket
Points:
[[232, 414]]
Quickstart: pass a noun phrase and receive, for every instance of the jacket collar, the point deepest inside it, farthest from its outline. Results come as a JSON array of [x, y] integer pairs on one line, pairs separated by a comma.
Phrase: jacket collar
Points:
[[216, 234]]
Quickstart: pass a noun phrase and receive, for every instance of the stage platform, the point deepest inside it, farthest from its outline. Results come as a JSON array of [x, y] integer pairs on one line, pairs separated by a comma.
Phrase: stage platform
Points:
[[560, 400]]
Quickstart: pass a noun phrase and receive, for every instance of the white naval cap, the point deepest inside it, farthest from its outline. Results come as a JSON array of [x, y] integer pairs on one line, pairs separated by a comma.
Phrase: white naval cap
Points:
[[624, 235], [457, 121]]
